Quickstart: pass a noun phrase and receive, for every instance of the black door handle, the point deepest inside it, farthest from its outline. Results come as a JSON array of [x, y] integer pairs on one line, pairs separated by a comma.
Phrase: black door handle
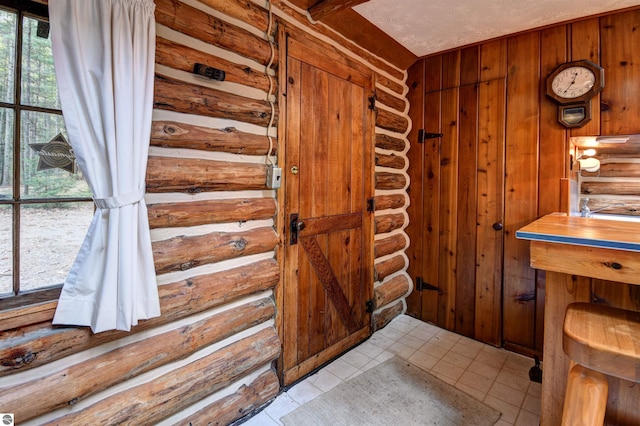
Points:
[[497, 226]]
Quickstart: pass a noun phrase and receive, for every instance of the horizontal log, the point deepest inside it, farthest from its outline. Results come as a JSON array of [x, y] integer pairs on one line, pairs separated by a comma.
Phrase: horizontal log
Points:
[[389, 245], [170, 134], [389, 142], [392, 201], [390, 84], [388, 222], [613, 150], [179, 96], [617, 169], [235, 406], [392, 101], [384, 317], [386, 180], [177, 56], [610, 188], [168, 215], [393, 161], [626, 206], [391, 121], [76, 382], [178, 389], [385, 268], [183, 253], [197, 24], [192, 175], [391, 290], [40, 344], [245, 11]]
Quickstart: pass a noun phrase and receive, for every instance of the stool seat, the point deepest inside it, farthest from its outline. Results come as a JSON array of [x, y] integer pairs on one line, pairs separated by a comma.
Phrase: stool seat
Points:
[[603, 339]]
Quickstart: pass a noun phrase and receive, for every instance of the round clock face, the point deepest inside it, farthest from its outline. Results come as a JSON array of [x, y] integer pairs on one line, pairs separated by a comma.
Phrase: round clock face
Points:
[[573, 82]]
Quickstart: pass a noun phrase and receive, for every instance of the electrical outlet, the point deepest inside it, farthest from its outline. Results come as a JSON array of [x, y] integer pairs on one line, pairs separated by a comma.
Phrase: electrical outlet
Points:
[[274, 177], [209, 72]]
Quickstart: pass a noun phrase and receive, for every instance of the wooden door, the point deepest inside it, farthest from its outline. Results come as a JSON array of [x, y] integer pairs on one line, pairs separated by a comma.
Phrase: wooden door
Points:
[[329, 240], [457, 193]]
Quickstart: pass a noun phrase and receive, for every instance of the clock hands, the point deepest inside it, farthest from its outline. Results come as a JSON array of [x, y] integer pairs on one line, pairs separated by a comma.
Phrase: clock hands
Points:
[[575, 76]]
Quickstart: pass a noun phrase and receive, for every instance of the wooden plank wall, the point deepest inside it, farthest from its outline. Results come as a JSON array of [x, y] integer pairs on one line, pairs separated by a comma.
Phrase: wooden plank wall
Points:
[[211, 355], [536, 156]]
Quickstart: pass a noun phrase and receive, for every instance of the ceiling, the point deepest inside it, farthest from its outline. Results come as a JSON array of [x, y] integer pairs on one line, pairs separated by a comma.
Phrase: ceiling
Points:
[[429, 26]]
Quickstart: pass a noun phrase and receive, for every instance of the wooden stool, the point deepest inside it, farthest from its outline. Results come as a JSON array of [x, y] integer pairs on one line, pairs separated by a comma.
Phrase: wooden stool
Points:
[[601, 341]]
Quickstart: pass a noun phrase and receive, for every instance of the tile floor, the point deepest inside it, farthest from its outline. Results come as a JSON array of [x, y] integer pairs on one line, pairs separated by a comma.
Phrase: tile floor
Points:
[[495, 376]]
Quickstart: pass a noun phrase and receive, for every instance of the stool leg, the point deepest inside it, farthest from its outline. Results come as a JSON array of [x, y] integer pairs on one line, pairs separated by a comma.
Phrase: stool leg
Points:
[[585, 400]]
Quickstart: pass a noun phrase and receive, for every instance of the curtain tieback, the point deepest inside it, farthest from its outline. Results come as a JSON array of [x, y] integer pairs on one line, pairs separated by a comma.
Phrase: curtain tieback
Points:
[[119, 200]]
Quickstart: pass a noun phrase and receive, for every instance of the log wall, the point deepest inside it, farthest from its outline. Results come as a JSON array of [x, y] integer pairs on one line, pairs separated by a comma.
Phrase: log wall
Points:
[[210, 356]]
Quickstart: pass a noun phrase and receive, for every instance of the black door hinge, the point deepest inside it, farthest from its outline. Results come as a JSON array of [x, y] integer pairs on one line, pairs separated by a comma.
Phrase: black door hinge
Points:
[[369, 305], [424, 135], [421, 285], [371, 204], [372, 102]]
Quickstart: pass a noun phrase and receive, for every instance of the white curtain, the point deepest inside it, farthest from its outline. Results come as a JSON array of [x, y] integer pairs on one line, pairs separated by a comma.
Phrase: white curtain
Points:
[[104, 53]]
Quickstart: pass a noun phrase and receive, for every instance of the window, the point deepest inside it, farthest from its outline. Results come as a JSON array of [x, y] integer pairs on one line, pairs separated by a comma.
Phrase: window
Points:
[[45, 203]]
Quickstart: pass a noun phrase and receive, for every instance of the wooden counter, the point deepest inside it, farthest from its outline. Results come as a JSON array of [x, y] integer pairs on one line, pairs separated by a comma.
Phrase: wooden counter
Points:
[[584, 258]]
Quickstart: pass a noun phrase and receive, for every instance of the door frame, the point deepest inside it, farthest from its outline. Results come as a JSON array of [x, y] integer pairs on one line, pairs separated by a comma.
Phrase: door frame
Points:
[[342, 68]]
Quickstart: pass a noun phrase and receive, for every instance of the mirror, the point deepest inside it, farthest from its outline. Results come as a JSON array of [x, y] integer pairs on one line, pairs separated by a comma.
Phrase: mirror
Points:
[[605, 175]]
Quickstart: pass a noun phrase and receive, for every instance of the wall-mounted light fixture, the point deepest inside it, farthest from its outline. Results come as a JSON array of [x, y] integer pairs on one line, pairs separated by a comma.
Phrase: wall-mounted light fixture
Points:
[[589, 152], [589, 164]]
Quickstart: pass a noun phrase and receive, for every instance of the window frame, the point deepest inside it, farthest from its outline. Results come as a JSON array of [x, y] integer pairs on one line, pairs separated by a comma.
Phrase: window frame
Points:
[[12, 304]]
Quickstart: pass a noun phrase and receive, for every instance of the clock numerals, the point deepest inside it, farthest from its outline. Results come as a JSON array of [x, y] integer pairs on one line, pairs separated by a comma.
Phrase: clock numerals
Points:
[[573, 82], [576, 81]]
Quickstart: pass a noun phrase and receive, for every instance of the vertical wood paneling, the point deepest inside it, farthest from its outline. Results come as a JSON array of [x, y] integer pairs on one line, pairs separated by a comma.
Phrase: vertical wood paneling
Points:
[[620, 44], [433, 73], [451, 69], [431, 206], [415, 81], [521, 185], [535, 148], [553, 152], [493, 60], [553, 141], [585, 44], [490, 169], [466, 209], [469, 65], [448, 208]]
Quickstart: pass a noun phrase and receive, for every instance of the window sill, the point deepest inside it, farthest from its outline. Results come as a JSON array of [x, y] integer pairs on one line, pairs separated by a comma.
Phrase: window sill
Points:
[[31, 308]]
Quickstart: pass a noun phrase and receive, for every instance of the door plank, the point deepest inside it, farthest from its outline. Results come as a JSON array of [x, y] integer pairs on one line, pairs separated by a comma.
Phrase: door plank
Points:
[[330, 283], [521, 186], [466, 208], [325, 224], [448, 209], [430, 208], [291, 318], [491, 134]]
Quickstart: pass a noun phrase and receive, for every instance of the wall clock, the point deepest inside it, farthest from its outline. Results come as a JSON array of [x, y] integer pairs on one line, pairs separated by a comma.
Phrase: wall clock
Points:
[[574, 82]]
